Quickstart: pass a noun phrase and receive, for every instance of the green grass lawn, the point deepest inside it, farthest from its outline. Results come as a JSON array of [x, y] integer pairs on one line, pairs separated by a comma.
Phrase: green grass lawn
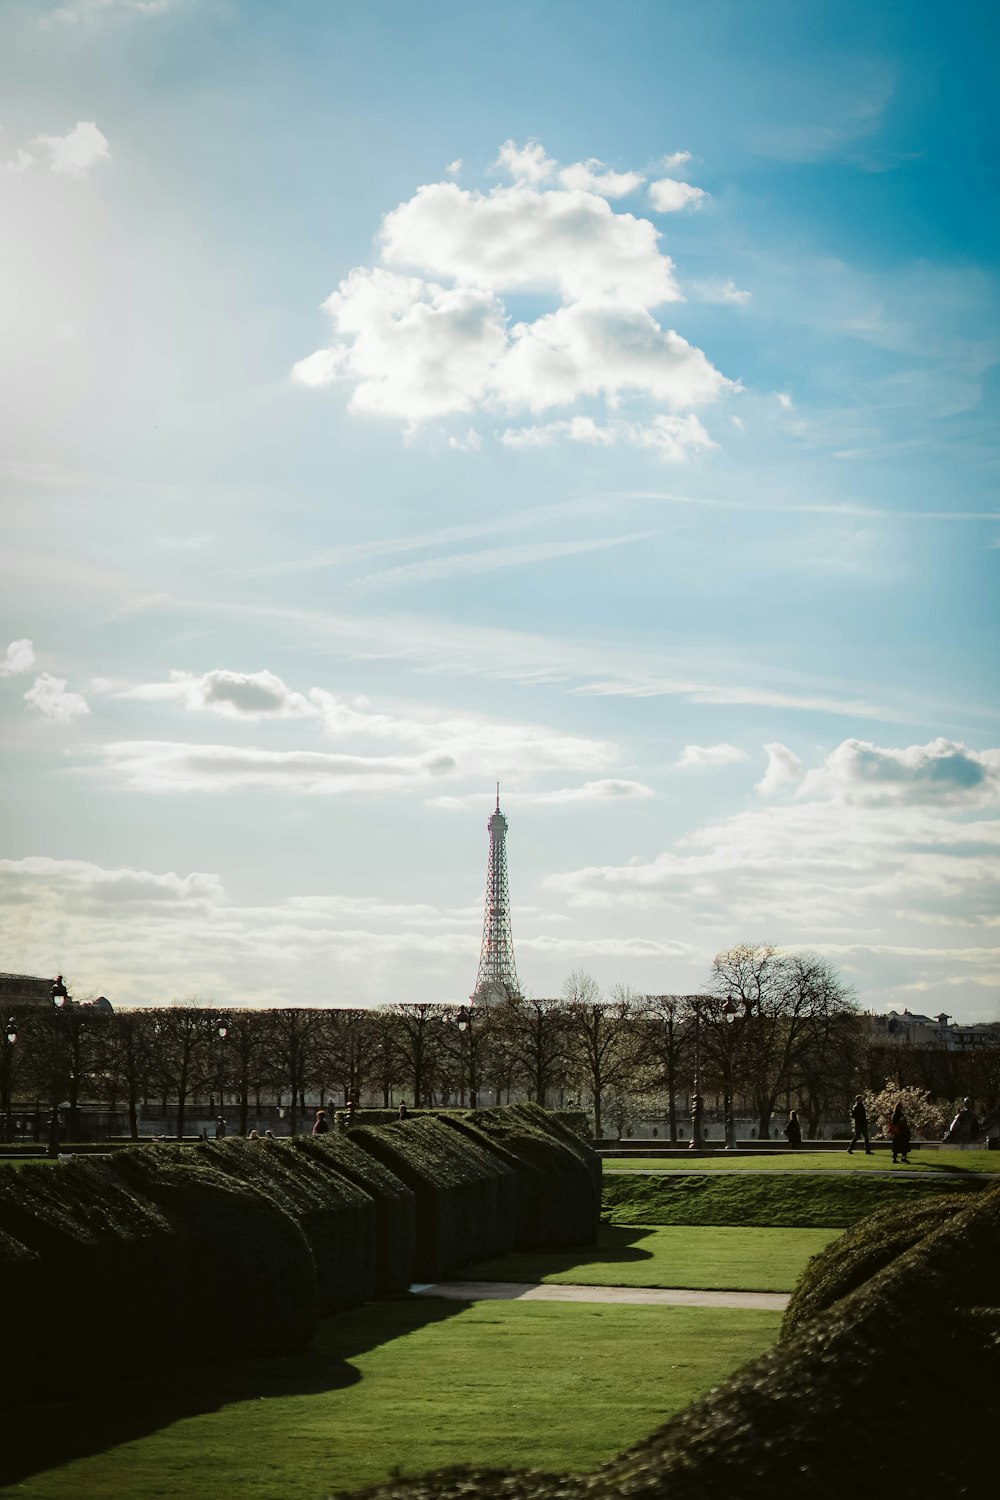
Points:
[[933, 1162], [704, 1258], [799, 1200], [394, 1387]]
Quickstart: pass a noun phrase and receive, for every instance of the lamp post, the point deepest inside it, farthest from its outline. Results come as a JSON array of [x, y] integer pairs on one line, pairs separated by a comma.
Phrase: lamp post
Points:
[[61, 1009], [9, 1042], [730, 1010], [696, 1141], [222, 1031]]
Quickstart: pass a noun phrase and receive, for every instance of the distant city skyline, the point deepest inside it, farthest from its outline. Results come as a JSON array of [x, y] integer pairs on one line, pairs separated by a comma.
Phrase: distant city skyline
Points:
[[400, 399]]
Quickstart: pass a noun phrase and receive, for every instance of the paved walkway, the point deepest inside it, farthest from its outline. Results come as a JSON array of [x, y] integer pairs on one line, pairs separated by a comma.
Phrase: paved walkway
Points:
[[942, 1174], [519, 1291]]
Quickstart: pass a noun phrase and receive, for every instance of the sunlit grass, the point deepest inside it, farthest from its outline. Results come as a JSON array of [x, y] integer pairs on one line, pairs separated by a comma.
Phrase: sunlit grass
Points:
[[811, 1161]]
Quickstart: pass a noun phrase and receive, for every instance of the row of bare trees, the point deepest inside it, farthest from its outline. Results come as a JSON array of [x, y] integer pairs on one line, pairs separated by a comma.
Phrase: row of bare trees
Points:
[[770, 1028]]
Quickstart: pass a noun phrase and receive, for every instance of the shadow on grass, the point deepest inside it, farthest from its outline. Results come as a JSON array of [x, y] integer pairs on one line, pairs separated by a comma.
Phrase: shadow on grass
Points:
[[617, 1244], [47, 1434]]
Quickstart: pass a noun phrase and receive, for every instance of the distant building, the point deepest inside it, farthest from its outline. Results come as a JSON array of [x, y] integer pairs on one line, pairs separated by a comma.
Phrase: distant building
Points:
[[25, 989], [910, 1029]]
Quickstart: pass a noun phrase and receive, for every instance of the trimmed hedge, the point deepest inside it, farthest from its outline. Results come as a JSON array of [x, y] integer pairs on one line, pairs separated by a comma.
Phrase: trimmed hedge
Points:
[[856, 1256], [395, 1204], [558, 1192], [252, 1277], [80, 1252], [466, 1196], [337, 1218]]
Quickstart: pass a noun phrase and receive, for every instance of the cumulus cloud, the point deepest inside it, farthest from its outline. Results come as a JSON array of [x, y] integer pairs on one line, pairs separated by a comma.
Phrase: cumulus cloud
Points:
[[594, 176], [783, 769], [725, 292], [19, 657], [675, 160], [944, 771], [73, 154], [668, 196], [525, 163], [48, 696], [428, 334], [232, 695], [699, 756], [569, 242]]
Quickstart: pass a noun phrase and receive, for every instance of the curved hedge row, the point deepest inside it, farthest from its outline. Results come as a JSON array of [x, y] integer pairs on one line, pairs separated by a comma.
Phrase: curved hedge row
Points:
[[857, 1255], [235, 1247]]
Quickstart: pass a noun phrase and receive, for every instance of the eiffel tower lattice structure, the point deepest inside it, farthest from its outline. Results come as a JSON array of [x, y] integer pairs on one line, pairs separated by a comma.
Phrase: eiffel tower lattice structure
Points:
[[497, 977]]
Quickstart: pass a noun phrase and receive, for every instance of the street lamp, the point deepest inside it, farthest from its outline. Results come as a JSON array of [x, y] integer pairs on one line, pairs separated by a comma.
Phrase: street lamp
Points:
[[222, 1031], [61, 1008], [696, 1142], [730, 1010], [9, 1042]]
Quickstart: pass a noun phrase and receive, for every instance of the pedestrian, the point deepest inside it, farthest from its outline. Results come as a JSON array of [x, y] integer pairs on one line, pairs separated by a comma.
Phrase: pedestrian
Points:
[[253, 1136], [899, 1131], [859, 1116], [793, 1130], [349, 1106], [404, 1113], [220, 1129], [320, 1126]]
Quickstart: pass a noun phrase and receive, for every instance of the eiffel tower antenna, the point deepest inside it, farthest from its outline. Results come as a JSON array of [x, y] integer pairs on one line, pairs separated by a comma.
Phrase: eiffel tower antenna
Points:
[[497, 977]]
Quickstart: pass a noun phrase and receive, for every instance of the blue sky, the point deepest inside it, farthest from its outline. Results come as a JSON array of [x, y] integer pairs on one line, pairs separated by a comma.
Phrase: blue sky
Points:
[[398, 397]]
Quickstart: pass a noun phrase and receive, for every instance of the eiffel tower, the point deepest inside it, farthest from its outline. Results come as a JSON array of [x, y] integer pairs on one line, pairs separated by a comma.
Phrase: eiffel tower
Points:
[[497, 977]]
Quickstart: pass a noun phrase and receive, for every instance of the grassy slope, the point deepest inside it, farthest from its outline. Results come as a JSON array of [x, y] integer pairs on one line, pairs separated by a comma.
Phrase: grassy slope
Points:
[[716, 1259], [795, 1201], [407, 1385], [933, 1162]]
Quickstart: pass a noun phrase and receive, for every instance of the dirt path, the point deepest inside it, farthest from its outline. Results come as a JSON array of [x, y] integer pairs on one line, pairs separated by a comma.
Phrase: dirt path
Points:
[[507, 1291]]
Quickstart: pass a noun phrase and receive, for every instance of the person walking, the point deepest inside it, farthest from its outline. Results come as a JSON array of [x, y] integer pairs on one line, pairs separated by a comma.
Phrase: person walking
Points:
[[899, 1131], [404, 1113], [220, 1129], [859, 1118], [793, 1130], [320, 1126]]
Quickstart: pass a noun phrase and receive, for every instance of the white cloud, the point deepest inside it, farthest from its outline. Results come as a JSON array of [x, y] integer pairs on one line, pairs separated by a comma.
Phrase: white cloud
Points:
[[673, 439], [699, 756], [470, 443], [522, 238], [73, 154], [525, 163], [49, 697], [937, 773], [19, 657], [594, 176], [162, 766], [675, 160], [784, 400], [668, 196], [725, 292], [429, 334], [783, 769], [232, 695], [454, 167]]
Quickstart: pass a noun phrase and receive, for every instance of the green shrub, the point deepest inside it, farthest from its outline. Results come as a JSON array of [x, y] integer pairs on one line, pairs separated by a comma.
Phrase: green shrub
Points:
[[466, 1197], [856, 1256], [558, 1182], [336, 1217], [81, 1253], [252, 1278], [395, 1204]]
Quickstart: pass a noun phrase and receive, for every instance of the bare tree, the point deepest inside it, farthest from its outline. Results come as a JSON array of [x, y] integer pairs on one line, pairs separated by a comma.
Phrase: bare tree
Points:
[[540, 1043], [668, 1047], [603, 1036]]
